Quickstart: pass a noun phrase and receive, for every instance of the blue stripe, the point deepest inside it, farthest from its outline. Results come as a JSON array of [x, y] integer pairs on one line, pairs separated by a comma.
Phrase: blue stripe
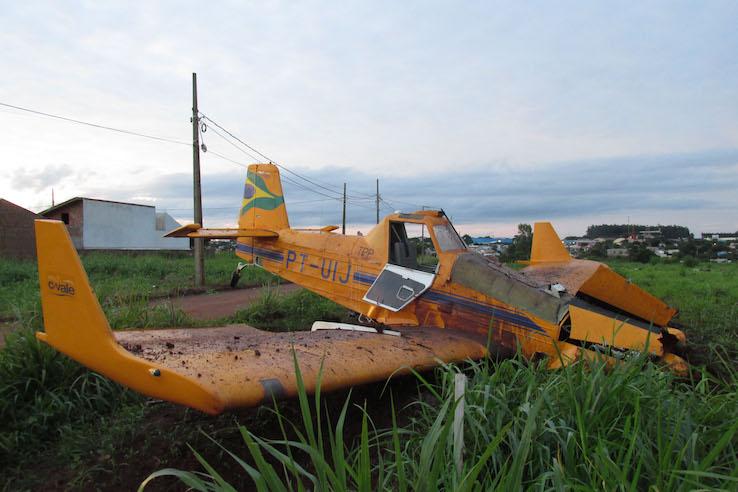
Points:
[[496, 312], [437, 297], [364, 278], [266, 253]]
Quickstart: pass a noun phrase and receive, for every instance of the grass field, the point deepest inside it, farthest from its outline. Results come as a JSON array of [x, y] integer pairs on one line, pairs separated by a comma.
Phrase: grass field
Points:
[[636, 427]]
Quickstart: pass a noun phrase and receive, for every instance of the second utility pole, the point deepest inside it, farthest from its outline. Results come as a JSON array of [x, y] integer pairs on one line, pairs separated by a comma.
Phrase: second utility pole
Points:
[[198, 242], [344, 209], [377, 200]]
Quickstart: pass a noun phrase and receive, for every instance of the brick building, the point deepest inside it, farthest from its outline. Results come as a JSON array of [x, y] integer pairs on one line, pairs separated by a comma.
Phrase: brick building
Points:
[[17, 234]]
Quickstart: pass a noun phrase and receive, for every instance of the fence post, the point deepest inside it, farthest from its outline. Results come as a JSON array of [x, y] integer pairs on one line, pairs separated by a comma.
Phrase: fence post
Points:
[[458, 425]]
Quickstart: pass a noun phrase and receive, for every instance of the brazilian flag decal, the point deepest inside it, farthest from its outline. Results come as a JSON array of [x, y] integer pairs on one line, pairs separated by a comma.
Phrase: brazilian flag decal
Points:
[[257, 195]]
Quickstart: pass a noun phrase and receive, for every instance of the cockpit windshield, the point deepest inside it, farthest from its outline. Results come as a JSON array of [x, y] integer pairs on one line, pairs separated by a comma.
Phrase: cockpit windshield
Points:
[[447, 238]]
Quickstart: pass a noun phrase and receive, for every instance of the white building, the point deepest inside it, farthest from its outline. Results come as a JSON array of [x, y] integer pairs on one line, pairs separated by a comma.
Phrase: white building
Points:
[[107, 225]]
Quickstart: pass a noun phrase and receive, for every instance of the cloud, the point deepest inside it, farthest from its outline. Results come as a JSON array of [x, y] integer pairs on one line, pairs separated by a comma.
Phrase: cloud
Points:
[[668, 187], [50, 175]]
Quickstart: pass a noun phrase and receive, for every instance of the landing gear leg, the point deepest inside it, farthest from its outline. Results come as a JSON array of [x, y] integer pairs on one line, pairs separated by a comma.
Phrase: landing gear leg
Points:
[[237, 274]]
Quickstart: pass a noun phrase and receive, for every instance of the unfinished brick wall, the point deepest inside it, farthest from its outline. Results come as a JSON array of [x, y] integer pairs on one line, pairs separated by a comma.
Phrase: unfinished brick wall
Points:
[[17, 234], [76, 220]]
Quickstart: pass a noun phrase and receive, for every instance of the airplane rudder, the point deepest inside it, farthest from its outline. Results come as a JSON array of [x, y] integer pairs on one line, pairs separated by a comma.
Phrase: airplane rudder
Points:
[[547, 246], [263, 204], [72, 313]]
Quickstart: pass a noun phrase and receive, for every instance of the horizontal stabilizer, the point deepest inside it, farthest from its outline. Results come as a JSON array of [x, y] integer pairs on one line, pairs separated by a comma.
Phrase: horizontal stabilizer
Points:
[[194, 230]]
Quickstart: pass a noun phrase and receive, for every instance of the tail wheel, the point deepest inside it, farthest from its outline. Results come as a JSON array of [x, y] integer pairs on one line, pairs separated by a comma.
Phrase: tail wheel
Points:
[[236, 276], [234, 279]]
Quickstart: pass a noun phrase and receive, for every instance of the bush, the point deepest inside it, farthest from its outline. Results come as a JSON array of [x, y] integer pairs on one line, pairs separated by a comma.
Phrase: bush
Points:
[[690, 261]]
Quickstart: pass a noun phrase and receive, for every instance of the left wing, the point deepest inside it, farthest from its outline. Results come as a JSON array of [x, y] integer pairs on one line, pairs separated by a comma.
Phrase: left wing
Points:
[[244, 367]]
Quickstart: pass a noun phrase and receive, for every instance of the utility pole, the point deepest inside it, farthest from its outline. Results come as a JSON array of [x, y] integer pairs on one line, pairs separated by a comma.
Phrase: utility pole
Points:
[[198, 242], [377, 200], [422, 232], [344, 209]]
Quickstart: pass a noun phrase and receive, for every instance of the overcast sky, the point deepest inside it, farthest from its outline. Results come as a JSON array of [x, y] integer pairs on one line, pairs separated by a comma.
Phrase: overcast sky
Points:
[[500, 113]]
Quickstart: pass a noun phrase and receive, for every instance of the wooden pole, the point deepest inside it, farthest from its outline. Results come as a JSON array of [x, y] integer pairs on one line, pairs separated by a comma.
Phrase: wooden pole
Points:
[[344, 209], [197, 194]]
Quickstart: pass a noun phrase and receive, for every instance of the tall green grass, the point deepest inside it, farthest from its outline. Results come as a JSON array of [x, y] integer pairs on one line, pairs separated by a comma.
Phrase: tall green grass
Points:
[[121, 276], [707, 298], [42, 392], [584, 427]]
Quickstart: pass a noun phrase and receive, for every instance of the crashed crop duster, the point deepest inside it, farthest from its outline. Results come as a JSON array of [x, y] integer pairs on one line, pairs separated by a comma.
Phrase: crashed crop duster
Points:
[[411, 316]]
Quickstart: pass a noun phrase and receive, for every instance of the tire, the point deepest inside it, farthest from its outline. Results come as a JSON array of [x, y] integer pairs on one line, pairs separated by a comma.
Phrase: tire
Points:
[[234, 279]]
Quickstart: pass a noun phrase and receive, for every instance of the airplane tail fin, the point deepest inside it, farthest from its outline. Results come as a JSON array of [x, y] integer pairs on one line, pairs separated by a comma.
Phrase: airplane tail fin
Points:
[[263, 201], [547, 247]]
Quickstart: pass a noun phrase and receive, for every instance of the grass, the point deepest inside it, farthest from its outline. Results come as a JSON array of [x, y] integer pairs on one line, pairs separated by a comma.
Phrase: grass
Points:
[[582, 428], [525, 427], [120, 277], [292, 312], [706, 296]]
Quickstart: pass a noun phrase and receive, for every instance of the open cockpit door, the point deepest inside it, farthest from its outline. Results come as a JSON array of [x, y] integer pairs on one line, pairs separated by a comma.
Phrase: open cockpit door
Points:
[[397, 286], [403, 278]]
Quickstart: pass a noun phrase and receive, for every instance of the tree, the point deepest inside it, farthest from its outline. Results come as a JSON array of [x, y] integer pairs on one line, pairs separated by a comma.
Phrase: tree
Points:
[[522, 242], [467, 239], [639, 252]]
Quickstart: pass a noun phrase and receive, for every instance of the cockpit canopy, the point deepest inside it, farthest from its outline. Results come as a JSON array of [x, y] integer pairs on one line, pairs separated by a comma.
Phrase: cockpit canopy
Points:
[[416, 239]]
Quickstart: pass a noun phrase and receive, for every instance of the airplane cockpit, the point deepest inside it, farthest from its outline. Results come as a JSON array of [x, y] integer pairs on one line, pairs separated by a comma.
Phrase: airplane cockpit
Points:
[[412, 257]]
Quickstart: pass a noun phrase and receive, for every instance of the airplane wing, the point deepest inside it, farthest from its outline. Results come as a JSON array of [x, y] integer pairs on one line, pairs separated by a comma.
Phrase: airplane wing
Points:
[[195, 230], [213, 369]]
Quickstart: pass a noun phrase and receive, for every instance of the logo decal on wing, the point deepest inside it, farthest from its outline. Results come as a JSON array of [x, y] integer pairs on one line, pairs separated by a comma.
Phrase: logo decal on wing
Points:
[[60, 287]]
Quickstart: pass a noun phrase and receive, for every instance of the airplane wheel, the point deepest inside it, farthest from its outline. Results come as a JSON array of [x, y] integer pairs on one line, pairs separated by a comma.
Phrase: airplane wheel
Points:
[[234, 279]]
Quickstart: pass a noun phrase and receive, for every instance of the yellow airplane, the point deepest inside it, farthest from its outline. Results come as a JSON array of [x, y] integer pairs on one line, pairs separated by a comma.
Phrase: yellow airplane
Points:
[[412, 316]]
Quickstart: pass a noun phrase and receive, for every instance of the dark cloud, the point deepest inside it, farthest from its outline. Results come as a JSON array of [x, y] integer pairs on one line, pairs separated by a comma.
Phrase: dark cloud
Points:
[[668, 183]]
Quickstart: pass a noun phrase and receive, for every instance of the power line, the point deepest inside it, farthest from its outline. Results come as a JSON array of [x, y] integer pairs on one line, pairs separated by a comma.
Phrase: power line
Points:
[[287, 178], [256, 159], [96, 125], [327, 187], [208, 209]]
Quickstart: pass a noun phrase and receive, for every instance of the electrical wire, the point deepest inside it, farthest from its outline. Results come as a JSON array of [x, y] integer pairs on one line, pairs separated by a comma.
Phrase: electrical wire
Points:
[[327, 187], [96, 125]]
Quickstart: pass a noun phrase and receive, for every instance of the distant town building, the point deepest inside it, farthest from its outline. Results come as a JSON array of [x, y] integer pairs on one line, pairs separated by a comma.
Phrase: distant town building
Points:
[[107, 225], [490, 246], [17, 233], [617, 252], [723, 237], [482, 241], [649, 234]]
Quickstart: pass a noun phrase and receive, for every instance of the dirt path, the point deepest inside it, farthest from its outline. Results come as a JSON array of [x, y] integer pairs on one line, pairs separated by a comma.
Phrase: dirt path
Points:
[[223, 303]]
